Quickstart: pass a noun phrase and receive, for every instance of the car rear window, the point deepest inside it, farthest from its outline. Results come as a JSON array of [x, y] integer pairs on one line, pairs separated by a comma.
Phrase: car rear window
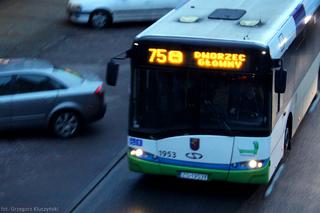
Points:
[[69, 77]]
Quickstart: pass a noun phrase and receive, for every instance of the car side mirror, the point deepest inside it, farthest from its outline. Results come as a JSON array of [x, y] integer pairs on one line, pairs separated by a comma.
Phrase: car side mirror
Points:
[[112, 73], [280, 80]]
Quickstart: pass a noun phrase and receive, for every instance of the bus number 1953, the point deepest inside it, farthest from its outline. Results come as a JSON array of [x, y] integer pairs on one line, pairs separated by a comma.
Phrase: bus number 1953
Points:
[[167, 154]]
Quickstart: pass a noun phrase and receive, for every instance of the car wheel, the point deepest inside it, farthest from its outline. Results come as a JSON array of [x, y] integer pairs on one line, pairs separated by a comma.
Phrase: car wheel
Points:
[[65, 124], [100, 19]]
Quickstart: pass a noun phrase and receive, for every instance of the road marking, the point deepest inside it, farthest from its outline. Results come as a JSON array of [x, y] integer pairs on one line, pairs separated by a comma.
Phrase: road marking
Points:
[[314, 104], [275, 178]]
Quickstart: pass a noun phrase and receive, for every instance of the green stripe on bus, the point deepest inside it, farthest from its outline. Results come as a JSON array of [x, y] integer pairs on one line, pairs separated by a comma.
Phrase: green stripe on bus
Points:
[[257, 176]]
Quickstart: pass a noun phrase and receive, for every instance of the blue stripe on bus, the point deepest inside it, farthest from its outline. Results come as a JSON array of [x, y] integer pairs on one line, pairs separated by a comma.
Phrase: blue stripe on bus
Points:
[[298, 15], [234, 166], [157, 159], [194, 164]]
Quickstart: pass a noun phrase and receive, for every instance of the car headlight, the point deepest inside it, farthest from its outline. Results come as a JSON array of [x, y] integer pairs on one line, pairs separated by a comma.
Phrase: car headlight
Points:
[[74, 7]]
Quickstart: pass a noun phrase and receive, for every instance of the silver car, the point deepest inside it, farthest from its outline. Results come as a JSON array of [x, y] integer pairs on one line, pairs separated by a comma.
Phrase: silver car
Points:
[[102, 13], [35, 93]]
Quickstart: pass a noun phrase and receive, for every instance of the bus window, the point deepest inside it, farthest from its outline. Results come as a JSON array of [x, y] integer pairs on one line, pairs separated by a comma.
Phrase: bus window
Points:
[[246, 103]]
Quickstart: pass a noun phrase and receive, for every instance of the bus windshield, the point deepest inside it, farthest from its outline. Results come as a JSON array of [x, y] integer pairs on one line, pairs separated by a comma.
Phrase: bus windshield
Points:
[[174, 102]]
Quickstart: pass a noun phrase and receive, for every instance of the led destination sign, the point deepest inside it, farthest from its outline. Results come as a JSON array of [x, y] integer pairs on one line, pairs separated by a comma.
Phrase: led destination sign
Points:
[[163, 56], [218, 60], [201, 59]]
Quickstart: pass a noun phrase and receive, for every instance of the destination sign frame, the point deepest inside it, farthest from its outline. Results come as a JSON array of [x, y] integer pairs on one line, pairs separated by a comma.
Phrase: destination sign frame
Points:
[[250, 55], [200, 59]]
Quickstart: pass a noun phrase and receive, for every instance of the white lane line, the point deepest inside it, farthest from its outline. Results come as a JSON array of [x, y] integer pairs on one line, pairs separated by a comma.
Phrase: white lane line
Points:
[[314, 104], [275, 178]]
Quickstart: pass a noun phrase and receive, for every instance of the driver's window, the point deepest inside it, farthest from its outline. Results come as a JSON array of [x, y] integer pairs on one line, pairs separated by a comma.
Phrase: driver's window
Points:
[[246, 102]]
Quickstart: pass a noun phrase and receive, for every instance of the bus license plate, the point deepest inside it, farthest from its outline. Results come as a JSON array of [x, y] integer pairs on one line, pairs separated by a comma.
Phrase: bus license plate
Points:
[[193, 176]]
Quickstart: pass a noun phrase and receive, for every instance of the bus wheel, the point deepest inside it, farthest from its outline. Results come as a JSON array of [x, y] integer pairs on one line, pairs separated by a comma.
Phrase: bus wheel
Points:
[[318, 88], [287, 141]]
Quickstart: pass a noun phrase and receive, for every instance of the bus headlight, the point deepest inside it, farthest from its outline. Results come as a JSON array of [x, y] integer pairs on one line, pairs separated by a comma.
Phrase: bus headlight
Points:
[[136, 152], [139, 152], [252, 164]]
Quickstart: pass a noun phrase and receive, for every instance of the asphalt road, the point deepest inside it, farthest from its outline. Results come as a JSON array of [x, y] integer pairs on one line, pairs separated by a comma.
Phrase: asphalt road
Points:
[[38, 170], [295, 189], [89, 173]]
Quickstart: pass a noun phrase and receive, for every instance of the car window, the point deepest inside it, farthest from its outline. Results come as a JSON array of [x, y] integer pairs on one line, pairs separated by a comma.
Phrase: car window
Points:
[[5, 85], [33, 83], [69, 77], [56, 84]]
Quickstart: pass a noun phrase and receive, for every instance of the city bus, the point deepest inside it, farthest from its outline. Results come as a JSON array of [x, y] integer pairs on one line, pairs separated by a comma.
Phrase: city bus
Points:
[[219, 88]]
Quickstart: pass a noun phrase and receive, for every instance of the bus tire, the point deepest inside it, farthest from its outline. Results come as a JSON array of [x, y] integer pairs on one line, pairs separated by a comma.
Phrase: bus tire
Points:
[[287, 141], [100, 19], [318, 81]]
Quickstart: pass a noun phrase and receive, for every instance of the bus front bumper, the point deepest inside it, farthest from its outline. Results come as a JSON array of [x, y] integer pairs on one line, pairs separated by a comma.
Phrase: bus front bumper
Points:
[[254, 176]]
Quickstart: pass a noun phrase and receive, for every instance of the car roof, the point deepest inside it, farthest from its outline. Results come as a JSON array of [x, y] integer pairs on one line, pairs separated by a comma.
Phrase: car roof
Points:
[[25, 64]]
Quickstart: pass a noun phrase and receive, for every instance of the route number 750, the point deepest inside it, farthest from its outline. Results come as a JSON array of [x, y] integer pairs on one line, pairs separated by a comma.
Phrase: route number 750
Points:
[[163, 56]]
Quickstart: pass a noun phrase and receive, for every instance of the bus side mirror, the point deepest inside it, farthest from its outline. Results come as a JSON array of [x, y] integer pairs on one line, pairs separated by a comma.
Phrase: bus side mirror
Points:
[[280, 80], [112, 73]]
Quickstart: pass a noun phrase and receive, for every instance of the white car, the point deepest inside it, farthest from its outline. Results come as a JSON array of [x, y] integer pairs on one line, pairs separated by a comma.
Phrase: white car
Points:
[[100, 13]]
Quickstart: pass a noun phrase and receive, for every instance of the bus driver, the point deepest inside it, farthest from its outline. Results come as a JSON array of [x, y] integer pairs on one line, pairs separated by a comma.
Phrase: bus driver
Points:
[[246, 106]]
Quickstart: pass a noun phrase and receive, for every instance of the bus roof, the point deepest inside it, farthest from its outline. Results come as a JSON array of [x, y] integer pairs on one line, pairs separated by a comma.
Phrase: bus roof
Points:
[[268, 23]]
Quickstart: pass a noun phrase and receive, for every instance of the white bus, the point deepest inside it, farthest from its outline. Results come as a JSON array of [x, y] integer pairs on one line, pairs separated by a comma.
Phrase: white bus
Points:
[[218, 88]]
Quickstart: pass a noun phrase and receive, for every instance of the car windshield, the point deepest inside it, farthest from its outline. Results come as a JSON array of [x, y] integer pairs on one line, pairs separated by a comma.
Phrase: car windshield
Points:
[[192, 102], [69, 77]]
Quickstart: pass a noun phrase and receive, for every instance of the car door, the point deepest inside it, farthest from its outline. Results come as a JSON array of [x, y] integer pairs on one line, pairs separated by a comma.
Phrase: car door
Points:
[[131, 10], [5, 101], [33, 100]]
